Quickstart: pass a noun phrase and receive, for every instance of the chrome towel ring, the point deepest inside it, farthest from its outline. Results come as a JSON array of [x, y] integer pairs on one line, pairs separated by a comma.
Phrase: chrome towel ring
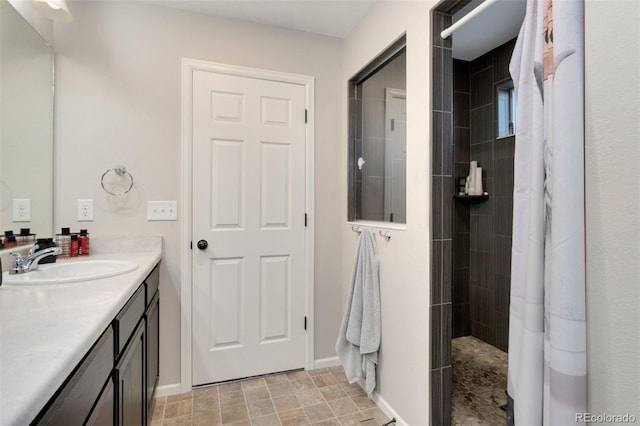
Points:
[[123, 184]]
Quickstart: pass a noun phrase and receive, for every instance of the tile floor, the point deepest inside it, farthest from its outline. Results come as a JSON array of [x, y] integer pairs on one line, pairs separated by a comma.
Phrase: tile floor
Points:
[[317, 397], [479, 379]]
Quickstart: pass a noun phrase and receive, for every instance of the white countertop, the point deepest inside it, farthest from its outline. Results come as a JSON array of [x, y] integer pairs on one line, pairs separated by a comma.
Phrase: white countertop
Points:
[[45, 330]]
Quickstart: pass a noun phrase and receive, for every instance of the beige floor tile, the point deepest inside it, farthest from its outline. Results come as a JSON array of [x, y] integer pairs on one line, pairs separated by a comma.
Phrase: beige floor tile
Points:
[[245, 422], [353, 419], [256, 394], [297, 375], [254, 383], [286, 403], [328, 422], [332, 392], [158, 412], [270, 420], [181, 397], [295, 417], [178, 421], [276, 378], [353, 389], [318, 412], [206, 404], [261, 408], [234, 413], [310, 397], [336, 369], [340, 376], [177, 409], [302, 384], [160, 401], [342, 407], [229, 387], [363, 402], [231, 398], [318, 371], [378, 416], [279, 389], [207, 418], [155, 422], [322, 380], [206, 392]]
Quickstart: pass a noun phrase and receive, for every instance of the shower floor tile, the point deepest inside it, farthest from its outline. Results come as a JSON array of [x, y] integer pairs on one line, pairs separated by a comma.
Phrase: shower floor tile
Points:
[[479, 377]]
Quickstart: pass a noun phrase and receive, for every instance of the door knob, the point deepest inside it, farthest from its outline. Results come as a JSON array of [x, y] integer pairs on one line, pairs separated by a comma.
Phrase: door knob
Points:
[[203, 244]]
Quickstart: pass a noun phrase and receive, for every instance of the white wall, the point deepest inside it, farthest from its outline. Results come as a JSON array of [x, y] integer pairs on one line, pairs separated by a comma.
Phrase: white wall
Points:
[[42, 25], [403, 373], [612, 101], [118, 102]]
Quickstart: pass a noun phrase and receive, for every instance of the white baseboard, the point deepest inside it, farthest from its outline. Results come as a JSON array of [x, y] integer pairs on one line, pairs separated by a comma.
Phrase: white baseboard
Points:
[[334, 361], [387, 409], [384, 406], [168, 390]]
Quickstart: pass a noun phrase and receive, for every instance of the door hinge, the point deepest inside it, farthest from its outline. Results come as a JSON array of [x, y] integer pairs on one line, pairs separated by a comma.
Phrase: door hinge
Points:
[[305, 115], [393, 124], [305, 220], [391, 217], [191, 245], [305, 323]]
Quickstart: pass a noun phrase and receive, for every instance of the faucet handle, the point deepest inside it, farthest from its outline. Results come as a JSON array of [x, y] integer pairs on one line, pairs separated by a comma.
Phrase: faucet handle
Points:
[[33, 250], [18, 259]]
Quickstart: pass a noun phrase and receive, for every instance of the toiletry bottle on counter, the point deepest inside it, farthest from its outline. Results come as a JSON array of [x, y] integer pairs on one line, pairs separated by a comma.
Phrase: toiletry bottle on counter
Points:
[[83, 239], [74, 246], [26, 237], [44, 243], [63, 239], [9, 239]]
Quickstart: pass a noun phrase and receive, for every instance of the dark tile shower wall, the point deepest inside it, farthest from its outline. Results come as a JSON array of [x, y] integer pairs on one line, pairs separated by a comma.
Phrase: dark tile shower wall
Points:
[[442, 208], [461, 210], [491, 220]]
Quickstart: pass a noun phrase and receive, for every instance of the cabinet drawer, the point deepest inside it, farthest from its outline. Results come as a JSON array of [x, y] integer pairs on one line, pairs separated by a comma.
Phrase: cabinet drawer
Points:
[[152, 282], [128, 318], [75, 399]]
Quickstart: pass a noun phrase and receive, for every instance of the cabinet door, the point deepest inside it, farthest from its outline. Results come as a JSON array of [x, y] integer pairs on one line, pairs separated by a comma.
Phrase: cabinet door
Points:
[[72, 404], [153, 348], [104, 413], [130, 379]]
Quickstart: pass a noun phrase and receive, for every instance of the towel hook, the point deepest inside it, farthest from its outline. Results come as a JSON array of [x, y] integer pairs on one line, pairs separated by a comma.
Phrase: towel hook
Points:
[[356, 229], [386, 235]]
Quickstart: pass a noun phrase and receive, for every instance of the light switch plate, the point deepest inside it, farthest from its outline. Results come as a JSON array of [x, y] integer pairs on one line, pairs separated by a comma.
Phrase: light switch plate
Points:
[[85, 210], [22, 210], [162, 210]]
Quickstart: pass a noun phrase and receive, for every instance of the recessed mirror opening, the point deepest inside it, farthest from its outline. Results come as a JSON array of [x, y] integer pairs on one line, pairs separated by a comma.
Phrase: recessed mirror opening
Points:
[[377, 139]]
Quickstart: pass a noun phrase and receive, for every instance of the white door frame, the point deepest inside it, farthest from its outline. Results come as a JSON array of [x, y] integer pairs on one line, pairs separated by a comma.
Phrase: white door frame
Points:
[[188, 68]]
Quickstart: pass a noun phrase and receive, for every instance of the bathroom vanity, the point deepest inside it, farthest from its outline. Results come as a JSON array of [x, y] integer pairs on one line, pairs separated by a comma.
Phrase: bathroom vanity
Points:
[[83, 352]]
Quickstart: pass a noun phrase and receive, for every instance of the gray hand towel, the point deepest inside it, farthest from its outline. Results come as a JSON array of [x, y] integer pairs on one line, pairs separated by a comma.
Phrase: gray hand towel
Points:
[[359, 337]]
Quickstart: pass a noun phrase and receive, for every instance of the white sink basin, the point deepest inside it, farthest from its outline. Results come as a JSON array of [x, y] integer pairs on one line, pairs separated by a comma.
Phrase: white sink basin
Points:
[[68, 272]]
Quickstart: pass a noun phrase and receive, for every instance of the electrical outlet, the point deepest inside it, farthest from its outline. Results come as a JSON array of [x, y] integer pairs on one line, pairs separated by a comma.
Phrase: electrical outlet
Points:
[[85, 210], [162, 210], [22, 210]]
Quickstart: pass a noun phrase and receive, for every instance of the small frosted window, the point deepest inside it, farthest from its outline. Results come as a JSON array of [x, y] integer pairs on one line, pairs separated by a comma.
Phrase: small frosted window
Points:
[[507, 110]]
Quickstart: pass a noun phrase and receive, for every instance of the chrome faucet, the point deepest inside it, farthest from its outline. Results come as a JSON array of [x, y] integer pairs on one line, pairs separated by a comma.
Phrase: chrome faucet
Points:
[[22, 265]]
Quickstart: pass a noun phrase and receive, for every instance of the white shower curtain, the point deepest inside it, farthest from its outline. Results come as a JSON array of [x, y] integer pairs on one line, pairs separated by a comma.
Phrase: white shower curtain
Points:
[[547, 329]]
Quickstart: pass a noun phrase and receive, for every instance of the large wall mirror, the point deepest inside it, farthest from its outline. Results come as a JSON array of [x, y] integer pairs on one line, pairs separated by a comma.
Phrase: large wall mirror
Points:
[[26, 126], [377, 139]]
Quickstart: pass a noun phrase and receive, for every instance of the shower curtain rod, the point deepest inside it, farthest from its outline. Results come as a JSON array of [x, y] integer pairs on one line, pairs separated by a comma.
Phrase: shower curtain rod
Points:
[[466, 18]]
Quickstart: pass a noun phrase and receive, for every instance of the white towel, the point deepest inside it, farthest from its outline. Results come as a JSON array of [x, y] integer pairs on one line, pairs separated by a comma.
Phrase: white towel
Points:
[[359, 337]]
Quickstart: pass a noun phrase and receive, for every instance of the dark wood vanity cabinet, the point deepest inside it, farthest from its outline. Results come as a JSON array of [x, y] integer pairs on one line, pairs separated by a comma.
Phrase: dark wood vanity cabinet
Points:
[[115, 382]]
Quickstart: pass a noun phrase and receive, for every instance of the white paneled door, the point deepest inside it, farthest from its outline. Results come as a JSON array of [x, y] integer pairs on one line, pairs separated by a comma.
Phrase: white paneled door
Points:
[[249, 210]]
